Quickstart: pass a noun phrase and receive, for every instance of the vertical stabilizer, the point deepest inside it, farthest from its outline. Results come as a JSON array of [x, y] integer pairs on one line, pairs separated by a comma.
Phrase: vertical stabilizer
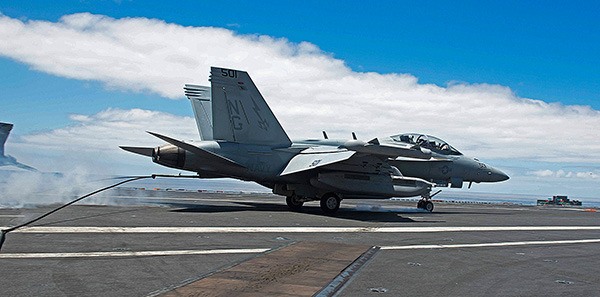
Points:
[[240, 113], [9, 160], [4, 131], [201, 104]]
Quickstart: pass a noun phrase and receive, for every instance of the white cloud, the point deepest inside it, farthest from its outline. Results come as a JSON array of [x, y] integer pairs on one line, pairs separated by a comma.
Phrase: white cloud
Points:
[[308, 89], [93, 141], [110, 128], [542, 173], [547, 173]]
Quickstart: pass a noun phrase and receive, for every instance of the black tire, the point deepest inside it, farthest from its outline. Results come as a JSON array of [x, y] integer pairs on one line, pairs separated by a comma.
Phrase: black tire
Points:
[[330, 203], [420, 204], [293, 203], [428, 206]]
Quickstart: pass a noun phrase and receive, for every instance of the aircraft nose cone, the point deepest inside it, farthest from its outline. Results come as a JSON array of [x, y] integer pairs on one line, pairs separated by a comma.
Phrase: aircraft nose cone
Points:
[[496, 175]]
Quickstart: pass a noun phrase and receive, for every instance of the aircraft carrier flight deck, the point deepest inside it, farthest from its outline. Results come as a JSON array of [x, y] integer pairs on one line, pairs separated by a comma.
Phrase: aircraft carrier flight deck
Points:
[[219, 244]]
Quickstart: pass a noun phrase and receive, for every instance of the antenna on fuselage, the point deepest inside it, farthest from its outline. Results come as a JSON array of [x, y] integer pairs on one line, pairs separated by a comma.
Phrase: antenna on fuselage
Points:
[[354, 136], [325, 135]]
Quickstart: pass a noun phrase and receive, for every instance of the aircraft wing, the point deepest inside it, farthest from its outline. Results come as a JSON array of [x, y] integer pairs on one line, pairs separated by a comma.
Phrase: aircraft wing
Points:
[[26, 167], [312, 158]]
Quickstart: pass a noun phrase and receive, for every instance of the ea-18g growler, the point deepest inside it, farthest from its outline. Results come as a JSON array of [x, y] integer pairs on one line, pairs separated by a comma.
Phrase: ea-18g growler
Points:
[[241, 138]]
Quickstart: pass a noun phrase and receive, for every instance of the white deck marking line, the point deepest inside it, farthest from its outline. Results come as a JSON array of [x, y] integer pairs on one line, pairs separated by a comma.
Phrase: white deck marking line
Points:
[[296, 229], [129, 253], [490, 244]]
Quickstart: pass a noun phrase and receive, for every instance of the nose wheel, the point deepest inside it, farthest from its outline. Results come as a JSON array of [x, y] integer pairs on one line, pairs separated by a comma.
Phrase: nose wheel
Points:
[[425, 203]]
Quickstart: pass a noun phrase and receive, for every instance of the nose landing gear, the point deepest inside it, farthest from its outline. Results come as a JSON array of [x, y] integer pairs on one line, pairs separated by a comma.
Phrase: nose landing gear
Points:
[[425, 202]]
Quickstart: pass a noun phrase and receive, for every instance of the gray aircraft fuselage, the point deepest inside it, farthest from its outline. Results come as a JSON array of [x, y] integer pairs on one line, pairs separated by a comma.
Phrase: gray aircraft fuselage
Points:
[[445, 167], [263, 165]]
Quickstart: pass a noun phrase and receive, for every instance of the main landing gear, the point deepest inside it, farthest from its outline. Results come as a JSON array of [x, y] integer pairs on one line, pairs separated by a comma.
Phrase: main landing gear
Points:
[[425, 203], [330, 202], [294, 202]]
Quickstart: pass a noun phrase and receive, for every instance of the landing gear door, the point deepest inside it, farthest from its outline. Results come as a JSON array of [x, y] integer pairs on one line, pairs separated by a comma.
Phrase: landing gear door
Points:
[[456, 182]]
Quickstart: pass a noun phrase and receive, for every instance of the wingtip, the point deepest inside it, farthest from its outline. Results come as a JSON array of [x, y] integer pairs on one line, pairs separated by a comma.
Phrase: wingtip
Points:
[[163, 137]]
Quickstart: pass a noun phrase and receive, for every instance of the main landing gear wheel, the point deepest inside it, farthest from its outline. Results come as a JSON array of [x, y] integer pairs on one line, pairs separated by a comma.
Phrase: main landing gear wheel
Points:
[[425, 204], [428, 206], [294, 202], [330, 203]]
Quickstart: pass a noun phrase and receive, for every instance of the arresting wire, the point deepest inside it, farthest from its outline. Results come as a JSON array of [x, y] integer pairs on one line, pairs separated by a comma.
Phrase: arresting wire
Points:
[[4, 232]]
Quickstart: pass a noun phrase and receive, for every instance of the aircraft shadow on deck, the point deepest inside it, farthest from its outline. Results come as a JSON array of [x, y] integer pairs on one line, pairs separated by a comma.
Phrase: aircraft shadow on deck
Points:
[[315, 210]]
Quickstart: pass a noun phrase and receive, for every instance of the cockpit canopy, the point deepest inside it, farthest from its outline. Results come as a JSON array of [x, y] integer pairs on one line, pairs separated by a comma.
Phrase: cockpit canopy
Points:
[[427, 141]]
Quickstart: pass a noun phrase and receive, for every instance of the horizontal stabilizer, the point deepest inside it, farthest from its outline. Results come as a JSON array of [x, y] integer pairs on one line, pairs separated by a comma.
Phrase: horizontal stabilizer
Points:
[[26, 167], [198, 151], [144, 151], [303, 162]]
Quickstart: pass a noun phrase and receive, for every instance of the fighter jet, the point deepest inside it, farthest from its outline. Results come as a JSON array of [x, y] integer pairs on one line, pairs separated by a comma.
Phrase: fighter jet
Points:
[[5, 129], [241, 138]]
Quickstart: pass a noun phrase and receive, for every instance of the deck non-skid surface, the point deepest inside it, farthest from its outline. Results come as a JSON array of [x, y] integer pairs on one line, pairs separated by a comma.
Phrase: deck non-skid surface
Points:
[[300, 269], [201, 244]]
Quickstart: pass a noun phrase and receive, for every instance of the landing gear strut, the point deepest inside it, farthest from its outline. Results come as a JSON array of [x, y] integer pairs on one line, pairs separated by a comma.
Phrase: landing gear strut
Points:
[[425, 203]]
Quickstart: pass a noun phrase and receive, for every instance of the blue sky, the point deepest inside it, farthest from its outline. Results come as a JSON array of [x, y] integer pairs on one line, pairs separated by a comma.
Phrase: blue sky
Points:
[[547, 52], [544, 51]]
